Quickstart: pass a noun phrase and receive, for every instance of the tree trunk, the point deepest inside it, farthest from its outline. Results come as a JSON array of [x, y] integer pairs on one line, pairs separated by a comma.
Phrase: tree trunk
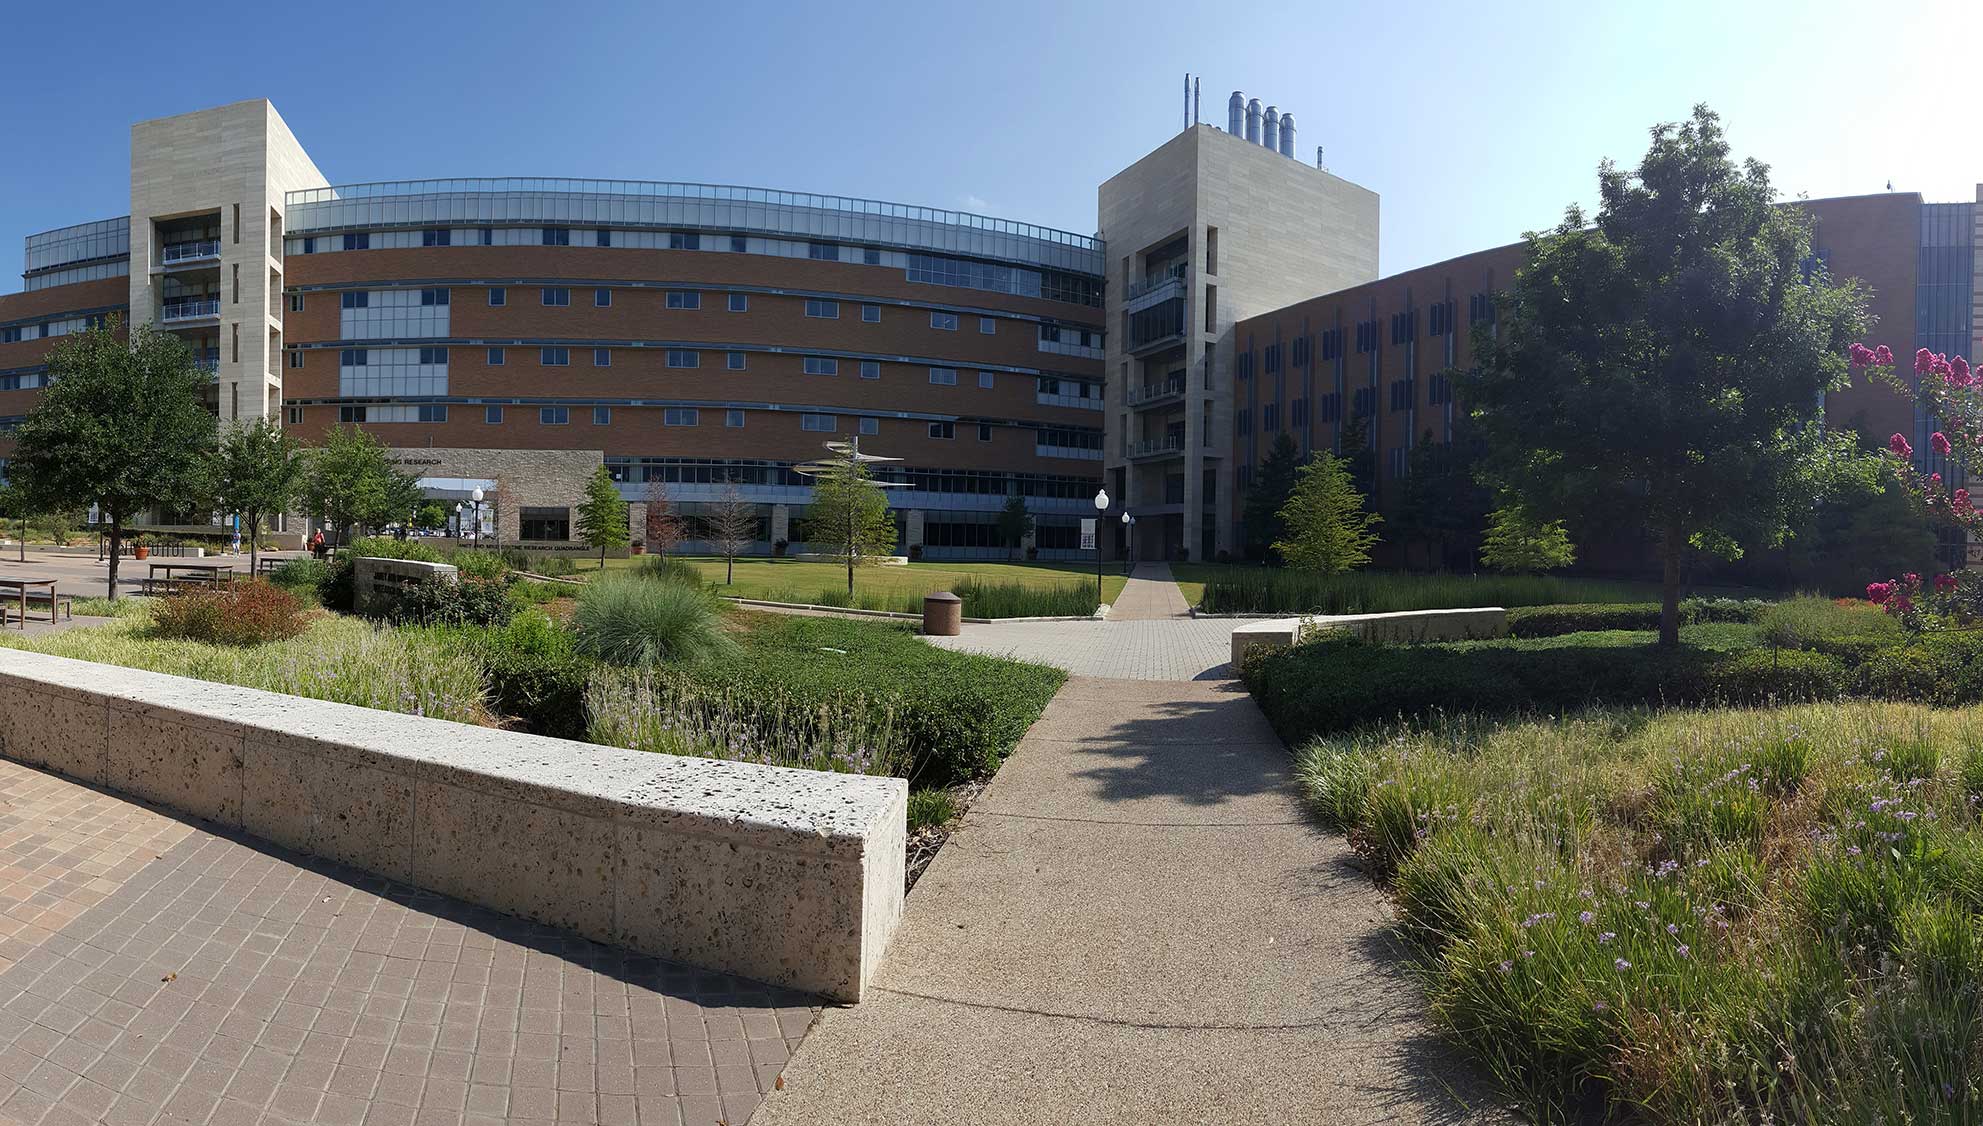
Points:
[[729, 570], [116, 544], [254, 527], [1669, 593]]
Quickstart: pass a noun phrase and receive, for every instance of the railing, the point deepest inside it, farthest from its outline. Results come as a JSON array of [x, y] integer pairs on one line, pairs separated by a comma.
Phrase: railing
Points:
[[1165, 337], [1084, 351], [1153, 392], [192, 308], [187, 251], [208, 361], [1154, 447], [1173, 274]]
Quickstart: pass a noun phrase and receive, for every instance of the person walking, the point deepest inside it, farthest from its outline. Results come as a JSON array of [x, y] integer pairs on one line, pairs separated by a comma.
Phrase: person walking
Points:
[[317, 544]]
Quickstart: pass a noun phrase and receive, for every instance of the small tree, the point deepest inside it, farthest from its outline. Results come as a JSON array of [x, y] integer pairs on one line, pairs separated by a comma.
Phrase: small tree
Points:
[[13, 506], [602, 515], [257, 471], [1327, 527], [732, 528], [1519, 543], [1272, 485], [664, 528], [1014, 523], [850, 510], [348, 481], [120, 426]]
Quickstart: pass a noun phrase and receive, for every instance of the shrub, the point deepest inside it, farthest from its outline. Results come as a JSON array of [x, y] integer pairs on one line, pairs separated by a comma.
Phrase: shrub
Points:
[[249, 612], [535, 592], [930, 809], [534, 672], [307, 578], [987, 599], [475, 563], [1775, 676], [1566, 618], [556, 566], [1845, 628], [436, 601], [629, 621], [1272, 590], [391, 547], [667, 568]]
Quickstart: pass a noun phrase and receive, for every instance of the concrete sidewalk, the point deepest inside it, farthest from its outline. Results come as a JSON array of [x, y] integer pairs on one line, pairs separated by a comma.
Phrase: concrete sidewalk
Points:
[[1136, 924], [1150, 594]]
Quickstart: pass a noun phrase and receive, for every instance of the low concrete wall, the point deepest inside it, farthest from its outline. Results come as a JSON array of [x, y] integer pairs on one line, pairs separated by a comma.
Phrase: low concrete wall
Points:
[[1400, 627], [792, 877], [374, 581]]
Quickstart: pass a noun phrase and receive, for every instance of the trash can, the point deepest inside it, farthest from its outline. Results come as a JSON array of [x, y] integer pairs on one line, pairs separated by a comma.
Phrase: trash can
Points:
[[943, 614]]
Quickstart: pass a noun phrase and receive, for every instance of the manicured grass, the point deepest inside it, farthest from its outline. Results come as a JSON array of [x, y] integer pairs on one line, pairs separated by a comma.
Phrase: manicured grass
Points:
[[789, 580], [1231, 589], [1683, 916]]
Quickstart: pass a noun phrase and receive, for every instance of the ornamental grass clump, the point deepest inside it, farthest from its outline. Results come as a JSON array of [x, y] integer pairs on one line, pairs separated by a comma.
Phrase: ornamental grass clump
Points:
[[1674, 916], [627, 620], [671, 714]]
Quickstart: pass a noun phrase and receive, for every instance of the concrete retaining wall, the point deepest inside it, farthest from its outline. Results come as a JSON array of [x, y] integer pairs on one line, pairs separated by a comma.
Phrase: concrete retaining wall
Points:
[[792, 877], [374, 581], [1400, 627]]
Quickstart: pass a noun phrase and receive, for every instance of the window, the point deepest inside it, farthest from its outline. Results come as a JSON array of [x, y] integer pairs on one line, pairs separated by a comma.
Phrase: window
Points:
[[1439, 389], [1398, 462], [870, 426], [819, 423], [1270, 359], [354, 299], [556, 295], [684, 358], [823, 251], [870, 369], [1439, 318], [1242, 366], [433, 297], [684, 240], [1298, 352], [1329, 408], [984, 431], [433, 412], [602, 237], [360, 241], [498, 296], [736, 361], [295, 416], [733, 419], [1364, 403], [435, 236], [1480, 307], [739, 244], [684, 299], [544, 524], [827, 310], [1298, 413], [557, 236], [433, 355], [1244, 421], [822, 365], [488, 236], [309, 246], [554, 357], [1404, 326], [495, 357], [945, 321], [680, 416], [492, 415], [985, 379], [353, 357], [295, 358], [602, 298], [871, 314], [1366, 336], [740, 302], [1332, 344], [1270, 416], [988, 326], [1402, 394], [945, 376], [870, 257], [351, 414], [602, 357], [295, 302], [553, 416], [943, 430]]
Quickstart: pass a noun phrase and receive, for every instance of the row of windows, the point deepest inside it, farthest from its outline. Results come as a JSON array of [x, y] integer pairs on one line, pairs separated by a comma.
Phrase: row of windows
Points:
[[14, 334], [493, 414], [558, 356], [976, 482]]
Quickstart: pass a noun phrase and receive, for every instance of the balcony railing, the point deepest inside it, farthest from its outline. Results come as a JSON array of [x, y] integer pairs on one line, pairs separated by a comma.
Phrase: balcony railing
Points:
[[1173, 274], [1156, 392], [189, 251], [1167, 446], [208, 361], [192, 308]]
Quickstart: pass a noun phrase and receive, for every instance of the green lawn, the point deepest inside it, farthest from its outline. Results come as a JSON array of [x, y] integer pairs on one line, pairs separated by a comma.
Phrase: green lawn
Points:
[[791, 580]]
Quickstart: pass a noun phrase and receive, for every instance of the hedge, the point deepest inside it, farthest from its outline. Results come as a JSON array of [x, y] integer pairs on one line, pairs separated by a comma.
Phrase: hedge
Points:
[[1557, 620]]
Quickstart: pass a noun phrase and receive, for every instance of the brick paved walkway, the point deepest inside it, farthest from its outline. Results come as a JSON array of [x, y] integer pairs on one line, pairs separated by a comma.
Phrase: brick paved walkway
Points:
[[1151, 650], [154, 972], [1151, 594]]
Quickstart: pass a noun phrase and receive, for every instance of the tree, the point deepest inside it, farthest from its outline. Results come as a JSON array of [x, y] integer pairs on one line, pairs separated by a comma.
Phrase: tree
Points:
[[122, 426], [1273, 484], [257, 471], [1354, 442], [732, 528], [1014, 523], [602, 515], [432, 514], [1518, 543], [1439, 503], [13, 506], [664, 528], [1327, 527], [849, 510], [1670, 360], [1869, 527], [348, 481]]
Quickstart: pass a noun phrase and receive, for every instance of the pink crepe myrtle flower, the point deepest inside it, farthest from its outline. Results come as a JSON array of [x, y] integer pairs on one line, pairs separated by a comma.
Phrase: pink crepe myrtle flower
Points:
[[1883, 356], [1944, 583], [1860, 355], [1899, 445], [1924, 362], [1961, 504], [1878, 592], [1959, 367], [1939, 442]]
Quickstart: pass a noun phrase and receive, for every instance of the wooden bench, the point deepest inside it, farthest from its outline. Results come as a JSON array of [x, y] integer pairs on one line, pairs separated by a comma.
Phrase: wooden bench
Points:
[[57, 605]]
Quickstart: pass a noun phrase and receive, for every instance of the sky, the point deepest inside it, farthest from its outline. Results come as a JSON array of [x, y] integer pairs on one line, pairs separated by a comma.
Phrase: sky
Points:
[[1473, 121]]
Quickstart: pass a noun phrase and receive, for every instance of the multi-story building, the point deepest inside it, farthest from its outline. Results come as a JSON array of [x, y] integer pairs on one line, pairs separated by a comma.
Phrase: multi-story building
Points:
[[513, 335]]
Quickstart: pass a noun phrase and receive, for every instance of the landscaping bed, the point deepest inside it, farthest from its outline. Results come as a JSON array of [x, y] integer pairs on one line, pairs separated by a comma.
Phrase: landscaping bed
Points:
[[1684, 916], [1275, 590]]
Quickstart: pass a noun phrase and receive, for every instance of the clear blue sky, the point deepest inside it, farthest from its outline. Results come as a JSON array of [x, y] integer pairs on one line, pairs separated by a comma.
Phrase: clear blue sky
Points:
[[1474, 121]]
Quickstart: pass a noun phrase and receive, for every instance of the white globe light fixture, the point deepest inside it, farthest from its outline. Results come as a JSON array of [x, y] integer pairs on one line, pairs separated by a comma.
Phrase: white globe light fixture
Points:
[[1101, 505]]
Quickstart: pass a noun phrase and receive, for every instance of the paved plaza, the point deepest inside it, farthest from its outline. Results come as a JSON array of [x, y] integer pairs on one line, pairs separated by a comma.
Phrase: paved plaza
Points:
[[1149, 635], [154, 972]]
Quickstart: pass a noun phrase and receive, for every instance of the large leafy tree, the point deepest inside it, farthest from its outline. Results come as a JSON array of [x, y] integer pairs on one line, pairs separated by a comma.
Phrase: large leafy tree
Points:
[[602, 515], [349, 481], [1328, 529], [1440, 503], [257, 472], [850, 511], [122, 426], [1014, 523], [1670, 358], [1273, 484]]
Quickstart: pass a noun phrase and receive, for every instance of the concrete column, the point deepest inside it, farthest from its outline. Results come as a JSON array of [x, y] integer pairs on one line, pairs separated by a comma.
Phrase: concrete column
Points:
[[912, 526], [781, 522]]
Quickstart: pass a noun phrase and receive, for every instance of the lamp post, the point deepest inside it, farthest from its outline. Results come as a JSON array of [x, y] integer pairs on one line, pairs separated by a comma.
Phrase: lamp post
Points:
[[1101, 506], [476, 496], [1128, 541]]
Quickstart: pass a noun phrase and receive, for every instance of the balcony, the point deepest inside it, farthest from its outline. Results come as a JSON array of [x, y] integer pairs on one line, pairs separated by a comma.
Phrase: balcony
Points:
[[186, 253], [1156, 394], [1157, 289], [190, 309], [208, 361], [1170, 445]]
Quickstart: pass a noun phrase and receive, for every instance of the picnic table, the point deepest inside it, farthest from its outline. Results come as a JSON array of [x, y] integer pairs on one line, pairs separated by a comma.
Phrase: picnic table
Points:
[[18, 589], [169, 576]]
